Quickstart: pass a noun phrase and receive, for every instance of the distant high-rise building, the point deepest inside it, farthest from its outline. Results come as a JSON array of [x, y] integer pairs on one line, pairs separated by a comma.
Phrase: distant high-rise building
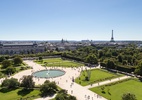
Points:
[[112, 39]]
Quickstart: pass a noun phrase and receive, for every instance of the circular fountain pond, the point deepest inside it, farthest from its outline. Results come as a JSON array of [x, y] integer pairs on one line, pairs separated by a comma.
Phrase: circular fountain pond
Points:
[[52, 73]]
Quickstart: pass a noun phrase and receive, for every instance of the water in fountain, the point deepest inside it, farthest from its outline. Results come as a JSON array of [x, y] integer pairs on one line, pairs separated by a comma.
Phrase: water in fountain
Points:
[[48, 73]]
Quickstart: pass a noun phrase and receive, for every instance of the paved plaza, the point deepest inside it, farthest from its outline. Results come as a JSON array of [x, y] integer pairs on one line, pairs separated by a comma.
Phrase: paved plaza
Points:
[[65, 81]]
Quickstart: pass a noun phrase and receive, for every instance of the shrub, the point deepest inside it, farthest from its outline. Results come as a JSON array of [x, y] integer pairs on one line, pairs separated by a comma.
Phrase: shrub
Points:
[[28, 82], [128, 96], [48, 88], [6, 63], [10, 70], [10, 83], [17, 61]]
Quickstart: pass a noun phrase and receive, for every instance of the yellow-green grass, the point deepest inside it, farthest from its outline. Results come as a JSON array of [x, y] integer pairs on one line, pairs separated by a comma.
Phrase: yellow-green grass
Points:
[[58, 62], [115, 91], [49, 60], [17, 94], [97, 75]]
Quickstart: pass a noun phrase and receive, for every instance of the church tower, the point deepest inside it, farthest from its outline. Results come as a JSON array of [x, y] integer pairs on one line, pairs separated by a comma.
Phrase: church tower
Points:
[[112, 39]]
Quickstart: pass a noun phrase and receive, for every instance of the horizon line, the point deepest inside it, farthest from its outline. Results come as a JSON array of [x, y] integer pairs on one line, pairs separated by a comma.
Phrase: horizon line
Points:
[[68, 40]]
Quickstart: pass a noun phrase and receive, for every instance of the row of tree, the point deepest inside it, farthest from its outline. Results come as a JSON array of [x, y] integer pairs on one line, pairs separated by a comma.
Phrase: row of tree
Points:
[[126, 59]]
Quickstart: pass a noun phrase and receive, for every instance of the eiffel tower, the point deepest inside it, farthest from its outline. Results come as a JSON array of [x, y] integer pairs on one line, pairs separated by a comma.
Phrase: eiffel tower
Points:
[[112, 39]]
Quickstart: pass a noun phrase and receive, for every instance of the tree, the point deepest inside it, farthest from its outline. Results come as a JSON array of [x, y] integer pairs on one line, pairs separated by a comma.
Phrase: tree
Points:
[[40, 58], [10, 70], [87, 78], [138, 70], [63, 91], [48, 88], [10, 83], [108, 54], [7, 57], [2, 59], [129, 59], [110, 64], [62, 95], [101, 54], [124, 62], [120, 58], [72, 97], [114, 53], [128, 96], [6, 63], [92, 59], [17, 61], [64, 54], [27, 82], [1, 75]]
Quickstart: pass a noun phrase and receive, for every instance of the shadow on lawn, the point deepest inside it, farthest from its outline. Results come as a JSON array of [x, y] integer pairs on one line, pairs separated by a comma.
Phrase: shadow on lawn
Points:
[[5, 90], [24, 92]]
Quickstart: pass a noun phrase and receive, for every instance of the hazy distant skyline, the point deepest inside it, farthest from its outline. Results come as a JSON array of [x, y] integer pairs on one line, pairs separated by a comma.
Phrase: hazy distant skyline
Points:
[[70, 19]]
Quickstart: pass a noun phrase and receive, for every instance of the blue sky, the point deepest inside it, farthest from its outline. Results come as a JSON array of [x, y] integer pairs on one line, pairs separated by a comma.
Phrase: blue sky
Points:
[[70, 19]]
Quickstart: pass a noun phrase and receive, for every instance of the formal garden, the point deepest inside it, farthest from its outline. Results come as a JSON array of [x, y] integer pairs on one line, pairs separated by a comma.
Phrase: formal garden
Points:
[[57, 62], [115, 91], [88, 77], [126, 60]]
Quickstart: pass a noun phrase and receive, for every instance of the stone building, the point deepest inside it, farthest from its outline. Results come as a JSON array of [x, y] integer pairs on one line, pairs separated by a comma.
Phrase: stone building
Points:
[[20, 48]]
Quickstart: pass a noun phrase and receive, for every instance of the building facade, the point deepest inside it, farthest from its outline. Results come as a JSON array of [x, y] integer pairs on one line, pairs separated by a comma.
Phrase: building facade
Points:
[[20, 48]]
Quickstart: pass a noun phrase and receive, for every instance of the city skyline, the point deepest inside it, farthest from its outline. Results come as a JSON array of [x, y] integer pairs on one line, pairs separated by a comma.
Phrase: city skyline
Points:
[[70, 19]]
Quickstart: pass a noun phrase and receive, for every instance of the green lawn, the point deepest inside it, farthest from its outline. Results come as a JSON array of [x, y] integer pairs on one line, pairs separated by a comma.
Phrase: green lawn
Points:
[[58, 62], [18, 93], [96, 76], [116, 91]]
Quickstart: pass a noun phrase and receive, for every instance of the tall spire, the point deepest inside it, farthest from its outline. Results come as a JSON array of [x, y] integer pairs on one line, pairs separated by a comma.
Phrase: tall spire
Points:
[[112, 39], [112, 34]]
